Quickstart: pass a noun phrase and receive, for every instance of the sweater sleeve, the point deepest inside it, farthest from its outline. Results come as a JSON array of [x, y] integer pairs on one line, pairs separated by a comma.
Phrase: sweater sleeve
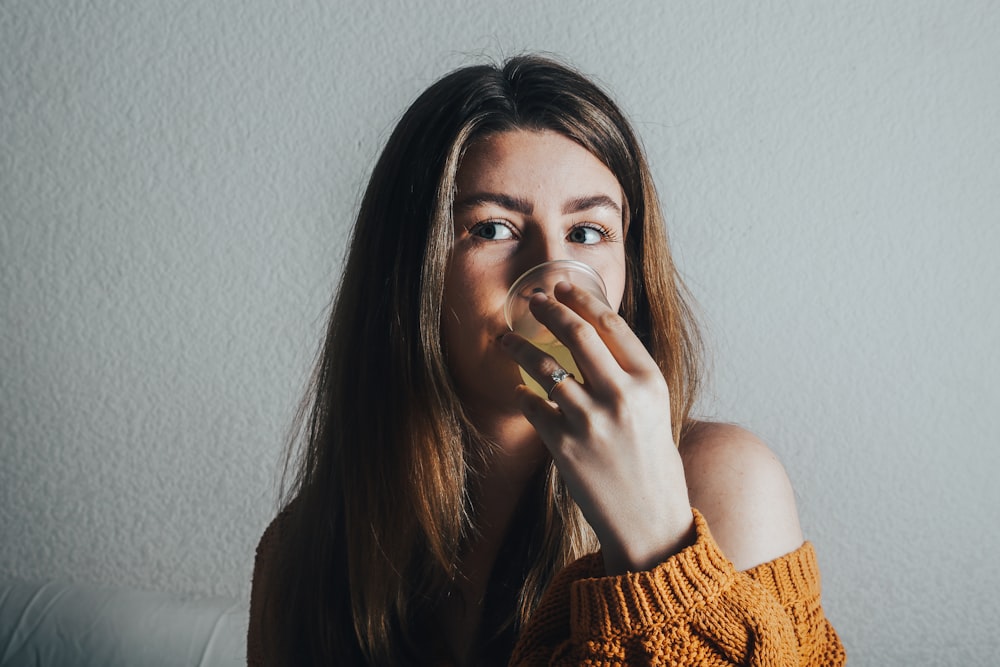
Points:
[[693, 609]]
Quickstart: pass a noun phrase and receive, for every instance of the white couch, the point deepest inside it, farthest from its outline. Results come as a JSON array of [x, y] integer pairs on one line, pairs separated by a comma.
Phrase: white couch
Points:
[[55, 624]]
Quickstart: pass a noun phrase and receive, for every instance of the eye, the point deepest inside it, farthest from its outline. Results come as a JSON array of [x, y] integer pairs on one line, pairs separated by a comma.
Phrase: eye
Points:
[[492, 230], [587, 234]]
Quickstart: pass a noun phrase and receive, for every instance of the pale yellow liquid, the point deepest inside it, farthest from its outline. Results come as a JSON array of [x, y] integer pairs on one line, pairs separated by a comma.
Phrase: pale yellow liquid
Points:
[[561, 354]]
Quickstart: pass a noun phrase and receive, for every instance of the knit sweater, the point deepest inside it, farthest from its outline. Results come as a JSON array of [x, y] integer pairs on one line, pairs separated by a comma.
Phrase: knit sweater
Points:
[[695, 608], [692, 609]]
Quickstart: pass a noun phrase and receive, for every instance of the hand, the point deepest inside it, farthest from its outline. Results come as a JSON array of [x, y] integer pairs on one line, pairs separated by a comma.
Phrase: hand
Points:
[[609, 437]]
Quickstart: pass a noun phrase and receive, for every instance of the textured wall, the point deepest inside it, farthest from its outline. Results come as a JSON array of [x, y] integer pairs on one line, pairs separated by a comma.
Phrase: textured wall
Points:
[[176, 185]]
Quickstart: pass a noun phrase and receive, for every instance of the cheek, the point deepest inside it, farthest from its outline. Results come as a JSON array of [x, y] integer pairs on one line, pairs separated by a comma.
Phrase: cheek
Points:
[[452, 316], [614, 280], [471, 320], [459, 299], [475, 289], [467, 310]]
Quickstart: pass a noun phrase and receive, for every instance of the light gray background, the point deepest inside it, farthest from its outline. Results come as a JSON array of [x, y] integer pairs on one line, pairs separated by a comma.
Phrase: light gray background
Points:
[[177, 180]]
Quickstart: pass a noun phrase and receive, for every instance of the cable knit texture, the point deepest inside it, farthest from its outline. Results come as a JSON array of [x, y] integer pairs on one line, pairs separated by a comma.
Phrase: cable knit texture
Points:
[[693, 609]]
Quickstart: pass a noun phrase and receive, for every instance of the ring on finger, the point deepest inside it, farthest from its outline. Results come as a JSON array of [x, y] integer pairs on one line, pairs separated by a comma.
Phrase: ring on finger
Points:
[[558, 376]]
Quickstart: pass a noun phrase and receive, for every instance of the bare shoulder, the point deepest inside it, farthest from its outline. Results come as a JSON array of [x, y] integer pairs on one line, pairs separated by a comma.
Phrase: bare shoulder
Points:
[[742, 490]]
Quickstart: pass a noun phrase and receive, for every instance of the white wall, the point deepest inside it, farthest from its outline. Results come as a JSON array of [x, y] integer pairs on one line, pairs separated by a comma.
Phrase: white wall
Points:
[[176, 183]]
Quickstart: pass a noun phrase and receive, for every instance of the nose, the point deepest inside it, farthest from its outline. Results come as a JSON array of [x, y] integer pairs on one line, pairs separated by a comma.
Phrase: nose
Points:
[[545, 247]]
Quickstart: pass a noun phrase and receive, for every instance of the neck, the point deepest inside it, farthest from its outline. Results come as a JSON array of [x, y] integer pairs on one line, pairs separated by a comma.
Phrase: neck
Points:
[[516, 450], [512, 456]]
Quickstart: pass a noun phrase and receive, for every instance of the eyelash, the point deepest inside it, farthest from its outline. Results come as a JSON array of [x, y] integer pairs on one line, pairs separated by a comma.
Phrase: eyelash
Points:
[[479, 225], [606, 234]]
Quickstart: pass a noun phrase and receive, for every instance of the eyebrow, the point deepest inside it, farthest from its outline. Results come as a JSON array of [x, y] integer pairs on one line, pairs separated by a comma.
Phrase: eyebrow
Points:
[[508, 202], [594, 201], [524, 207]]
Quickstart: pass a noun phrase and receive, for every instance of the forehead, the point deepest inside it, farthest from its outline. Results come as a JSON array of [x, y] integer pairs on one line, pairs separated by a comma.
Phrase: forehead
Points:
[[542, 161]]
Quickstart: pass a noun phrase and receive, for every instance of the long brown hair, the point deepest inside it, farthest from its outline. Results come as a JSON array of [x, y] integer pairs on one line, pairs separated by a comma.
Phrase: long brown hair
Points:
[[379, 501]]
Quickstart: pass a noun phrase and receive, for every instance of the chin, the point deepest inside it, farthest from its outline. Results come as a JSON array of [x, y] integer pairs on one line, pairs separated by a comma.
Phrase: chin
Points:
[[492, 391]]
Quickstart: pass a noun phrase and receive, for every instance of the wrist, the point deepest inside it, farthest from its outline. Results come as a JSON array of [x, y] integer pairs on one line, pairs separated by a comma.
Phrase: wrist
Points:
[[638, 553]]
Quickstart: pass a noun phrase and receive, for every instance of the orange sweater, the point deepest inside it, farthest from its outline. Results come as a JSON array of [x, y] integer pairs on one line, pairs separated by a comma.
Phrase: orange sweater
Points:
[[693, 609]]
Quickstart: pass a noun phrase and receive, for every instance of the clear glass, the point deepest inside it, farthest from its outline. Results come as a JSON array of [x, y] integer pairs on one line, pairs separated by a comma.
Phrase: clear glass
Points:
[[542, 279]]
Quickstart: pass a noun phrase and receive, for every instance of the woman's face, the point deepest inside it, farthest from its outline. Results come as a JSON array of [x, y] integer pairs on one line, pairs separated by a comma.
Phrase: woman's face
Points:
[[523, 197]]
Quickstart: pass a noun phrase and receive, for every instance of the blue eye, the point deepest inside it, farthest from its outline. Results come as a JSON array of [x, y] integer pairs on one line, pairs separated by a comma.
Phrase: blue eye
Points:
[[586, 235], [492, 230]]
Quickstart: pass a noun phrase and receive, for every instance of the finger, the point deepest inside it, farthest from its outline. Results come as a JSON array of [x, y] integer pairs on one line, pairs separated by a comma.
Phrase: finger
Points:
[[622, 343], [598, 338], [546, 418], [596, 363], [545, 370]]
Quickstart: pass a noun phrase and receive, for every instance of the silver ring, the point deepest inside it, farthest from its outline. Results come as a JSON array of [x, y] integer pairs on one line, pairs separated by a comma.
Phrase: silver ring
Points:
[[558, 376]]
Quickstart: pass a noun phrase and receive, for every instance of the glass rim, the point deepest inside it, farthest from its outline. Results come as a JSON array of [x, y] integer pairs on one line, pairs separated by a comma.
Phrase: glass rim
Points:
[[570, 264]]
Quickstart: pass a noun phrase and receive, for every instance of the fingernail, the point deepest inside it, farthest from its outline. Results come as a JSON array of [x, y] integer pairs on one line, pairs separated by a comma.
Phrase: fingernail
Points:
[[562, 287], [540, 297]]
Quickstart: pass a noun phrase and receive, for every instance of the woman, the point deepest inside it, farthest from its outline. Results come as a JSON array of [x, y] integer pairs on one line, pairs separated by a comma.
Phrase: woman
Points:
[[442, 513]]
